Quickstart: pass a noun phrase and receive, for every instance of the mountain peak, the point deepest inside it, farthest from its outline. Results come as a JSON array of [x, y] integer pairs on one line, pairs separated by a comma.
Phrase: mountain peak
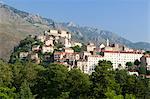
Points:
[[71, 24]]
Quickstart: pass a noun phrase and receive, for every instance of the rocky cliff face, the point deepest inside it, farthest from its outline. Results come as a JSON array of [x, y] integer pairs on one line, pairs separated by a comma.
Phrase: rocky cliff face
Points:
[[16, 25]]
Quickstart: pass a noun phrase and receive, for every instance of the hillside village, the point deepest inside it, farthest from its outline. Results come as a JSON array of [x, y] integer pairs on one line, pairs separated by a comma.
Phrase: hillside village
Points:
[[56, 46]]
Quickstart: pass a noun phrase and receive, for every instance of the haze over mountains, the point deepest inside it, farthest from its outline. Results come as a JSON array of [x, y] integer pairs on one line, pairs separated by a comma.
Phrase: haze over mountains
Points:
[[16, 25]]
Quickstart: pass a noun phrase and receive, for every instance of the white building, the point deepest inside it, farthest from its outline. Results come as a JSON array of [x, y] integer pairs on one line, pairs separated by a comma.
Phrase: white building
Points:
[[101, 46], [133, 73], [119, 59], [82, 65], [148, 63], [92, 61], [67, 43]]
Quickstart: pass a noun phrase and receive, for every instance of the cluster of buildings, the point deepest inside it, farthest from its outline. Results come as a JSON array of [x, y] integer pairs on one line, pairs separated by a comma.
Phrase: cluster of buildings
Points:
[[119, 55], [47, 45], [86, 60]]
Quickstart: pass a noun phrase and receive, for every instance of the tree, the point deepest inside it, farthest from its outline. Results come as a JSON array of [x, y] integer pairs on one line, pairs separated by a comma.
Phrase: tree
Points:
[[5, 74], [129, 64], [78, 84], [147, 52], [7, 93], [25, 91], [126, 82], [76, 48], [142, 70], [137, 62], [129, 96], [58, 45], [110, 94], [25, 71], [52, 81], [83, 47], [103, 80], [27, 41]]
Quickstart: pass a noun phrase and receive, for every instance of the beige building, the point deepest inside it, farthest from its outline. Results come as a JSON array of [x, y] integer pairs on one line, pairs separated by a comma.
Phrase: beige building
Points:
[[49, 42], [76, 44], [59, 33], [23, 54], [68, 50], [42, 38], [47, 49], [34, 56], [84, 54], [35, 47], [90, 47]]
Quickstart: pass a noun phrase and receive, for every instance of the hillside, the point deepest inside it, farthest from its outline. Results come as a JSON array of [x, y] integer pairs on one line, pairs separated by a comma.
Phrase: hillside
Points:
[[16, 25]]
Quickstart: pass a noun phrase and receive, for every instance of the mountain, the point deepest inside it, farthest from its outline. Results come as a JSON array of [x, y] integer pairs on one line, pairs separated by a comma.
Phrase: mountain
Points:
[[98, 36], [16, 25]]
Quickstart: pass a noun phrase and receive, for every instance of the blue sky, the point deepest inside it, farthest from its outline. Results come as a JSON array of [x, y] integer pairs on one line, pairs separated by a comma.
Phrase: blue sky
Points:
[[128, 18]]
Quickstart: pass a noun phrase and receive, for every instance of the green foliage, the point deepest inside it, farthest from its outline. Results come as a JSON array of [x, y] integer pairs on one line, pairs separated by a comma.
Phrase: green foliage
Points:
[[5, 73], [103, 80], [26, 80], [147, 52], [78, 84], [24, 46], [142, 70], [76, 48], [129, 96], [25, 71], [129, 64], [83, 47], [7, 93], [148, 72], [25, 91], [27, 41], [110, 94], [137, 62], [58, 45], [51, 81]]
